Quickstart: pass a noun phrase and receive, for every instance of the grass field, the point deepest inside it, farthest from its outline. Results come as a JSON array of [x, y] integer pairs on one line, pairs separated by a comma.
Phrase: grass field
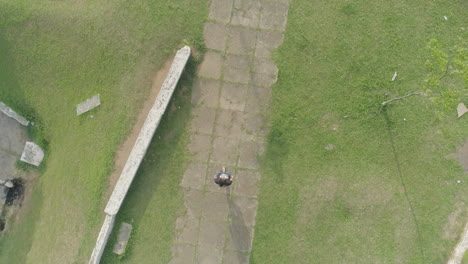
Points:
[[54, 55], [386, 193]]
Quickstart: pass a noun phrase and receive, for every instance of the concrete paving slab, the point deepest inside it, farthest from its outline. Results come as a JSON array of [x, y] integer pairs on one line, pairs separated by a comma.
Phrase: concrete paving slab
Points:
[[237, 75], [215, 35], [199, 147], [189, 232], [239, 238], [272, 22], [247, 18], [267, 42], [246, 183], [208, 255], [212, 233], [194, 176], [203, 120], [237, 61], [265, 66], [229, 123], [233, 96], [258, 99], [205, 92], [220, 10], [193, 200], [241, 40], [8, 169], [274, 8], [183, 254], [12, 135], [215, 206], [235, 257], [211, 66], [243, 210], [265, 80], [225, 151], [253, 123], [245, 5], [249, 150]]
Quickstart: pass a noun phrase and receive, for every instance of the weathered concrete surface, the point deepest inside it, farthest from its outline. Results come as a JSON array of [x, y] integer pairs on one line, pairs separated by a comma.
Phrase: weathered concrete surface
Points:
[[229, 100], [122, 239], [87, 105], [101, 242], [32, 154], [147, 131], [9, 112], [12, 141]]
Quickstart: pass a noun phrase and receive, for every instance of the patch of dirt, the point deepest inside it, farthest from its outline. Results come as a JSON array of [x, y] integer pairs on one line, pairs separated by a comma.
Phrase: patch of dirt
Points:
[[461, 155], [452, 222], [329, 121], [127, 146]]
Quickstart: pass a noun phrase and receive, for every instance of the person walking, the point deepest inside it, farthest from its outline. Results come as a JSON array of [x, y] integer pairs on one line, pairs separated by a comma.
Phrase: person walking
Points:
[[223, 178]]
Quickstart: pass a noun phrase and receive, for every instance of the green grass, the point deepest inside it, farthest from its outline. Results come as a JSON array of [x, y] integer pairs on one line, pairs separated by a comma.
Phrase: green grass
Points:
[[53, 55], [387, 190]]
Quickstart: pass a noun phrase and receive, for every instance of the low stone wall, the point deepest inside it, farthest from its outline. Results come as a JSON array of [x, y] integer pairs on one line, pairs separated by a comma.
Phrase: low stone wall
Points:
[[139, 150], [101, 242]]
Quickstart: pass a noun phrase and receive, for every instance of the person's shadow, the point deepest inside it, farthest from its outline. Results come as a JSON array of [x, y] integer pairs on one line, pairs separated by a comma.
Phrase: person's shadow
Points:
[[241, 237]]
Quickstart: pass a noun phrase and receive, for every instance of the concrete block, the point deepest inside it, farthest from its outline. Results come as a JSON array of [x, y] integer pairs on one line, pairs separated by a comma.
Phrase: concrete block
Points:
[[87, 105], [9, 112], [122, 239], [32, 154]]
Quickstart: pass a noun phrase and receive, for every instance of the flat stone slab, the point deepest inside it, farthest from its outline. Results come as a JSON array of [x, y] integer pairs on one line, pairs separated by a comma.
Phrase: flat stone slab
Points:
[[461, 109], [87, 105], [32, 154], [208, 255], [183, 254], [122, 239], [235, 257], [12, 135], [9, 112], [189, 230], [212, 233], [7, 166]]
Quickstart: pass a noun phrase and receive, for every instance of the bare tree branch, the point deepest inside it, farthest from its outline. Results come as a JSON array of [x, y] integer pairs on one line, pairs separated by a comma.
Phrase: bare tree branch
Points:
[[402, 97]]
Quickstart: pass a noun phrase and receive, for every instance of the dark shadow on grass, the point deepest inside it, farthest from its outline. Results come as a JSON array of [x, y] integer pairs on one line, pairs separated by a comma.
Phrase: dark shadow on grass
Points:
[[241, 237], [402, 180], [157, 162], [17, 241]]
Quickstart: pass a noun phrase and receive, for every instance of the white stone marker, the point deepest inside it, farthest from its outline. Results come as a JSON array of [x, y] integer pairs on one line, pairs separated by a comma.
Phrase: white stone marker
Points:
[[88, 104], [461, 109], [32, 154]]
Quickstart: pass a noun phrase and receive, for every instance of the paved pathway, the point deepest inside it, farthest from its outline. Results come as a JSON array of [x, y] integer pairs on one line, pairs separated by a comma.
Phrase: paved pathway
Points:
[[230, 95]]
